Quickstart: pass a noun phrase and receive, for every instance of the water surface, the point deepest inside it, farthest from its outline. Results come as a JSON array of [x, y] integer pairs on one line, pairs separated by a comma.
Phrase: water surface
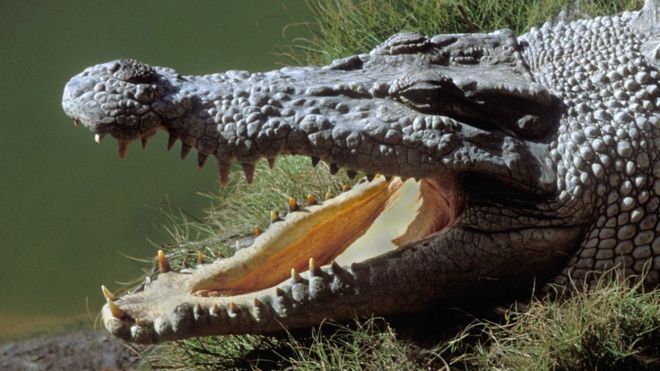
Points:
[[69, 208]]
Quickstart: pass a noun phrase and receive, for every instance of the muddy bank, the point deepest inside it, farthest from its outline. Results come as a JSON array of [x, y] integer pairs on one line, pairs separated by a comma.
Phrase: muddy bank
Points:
[[78, 350]]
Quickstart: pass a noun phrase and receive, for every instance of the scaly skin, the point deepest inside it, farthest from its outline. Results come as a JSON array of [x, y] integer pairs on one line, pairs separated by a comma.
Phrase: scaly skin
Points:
[[544, 149]]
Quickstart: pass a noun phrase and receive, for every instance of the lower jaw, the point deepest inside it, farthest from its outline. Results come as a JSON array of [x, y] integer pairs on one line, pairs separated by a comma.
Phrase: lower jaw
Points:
[[370, 220]]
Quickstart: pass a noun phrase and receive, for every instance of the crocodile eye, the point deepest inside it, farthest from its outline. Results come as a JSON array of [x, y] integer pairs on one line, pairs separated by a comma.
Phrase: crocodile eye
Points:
[[130, 70], [468, 56]]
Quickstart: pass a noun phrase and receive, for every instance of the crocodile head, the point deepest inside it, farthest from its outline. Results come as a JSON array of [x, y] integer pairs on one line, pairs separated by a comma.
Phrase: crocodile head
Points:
[[464, 206]]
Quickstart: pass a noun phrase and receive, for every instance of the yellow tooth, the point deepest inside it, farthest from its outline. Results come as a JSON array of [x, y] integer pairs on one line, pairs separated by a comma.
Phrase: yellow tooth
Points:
[[98, 138], [293, 204], [312, 265], [257, 231], [274, 216], [328, 195], [123, 146], [295, 276], [163, 263], [200, 257], [184, 262], [107, 293], [346, 188], [311, 200], [76, 123], [115, 310]]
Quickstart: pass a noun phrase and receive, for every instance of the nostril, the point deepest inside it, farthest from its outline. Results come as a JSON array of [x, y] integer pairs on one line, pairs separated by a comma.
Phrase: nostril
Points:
[[130, 70]]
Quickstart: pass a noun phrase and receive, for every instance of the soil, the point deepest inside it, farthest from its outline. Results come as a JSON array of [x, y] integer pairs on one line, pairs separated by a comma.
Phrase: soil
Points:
[[79, 350]]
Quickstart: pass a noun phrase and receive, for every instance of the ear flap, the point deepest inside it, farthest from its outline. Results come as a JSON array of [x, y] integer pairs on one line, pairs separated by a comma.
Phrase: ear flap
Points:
[[647, 23]]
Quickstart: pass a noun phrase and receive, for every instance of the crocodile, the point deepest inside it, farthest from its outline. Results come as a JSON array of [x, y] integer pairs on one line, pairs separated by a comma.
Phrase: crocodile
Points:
[[493, 163]]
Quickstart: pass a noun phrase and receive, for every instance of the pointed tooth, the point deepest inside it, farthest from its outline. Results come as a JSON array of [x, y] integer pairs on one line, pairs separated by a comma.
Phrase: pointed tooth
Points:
[[115, 310], [170, 141], [346, 188], [76, 123], [315, 161], [184, 263], [145, 140], [163, 263], [295, 276], [215, 310], [336, 268], [271, 163], [123, 147], [292, 204], [248, 170], [224, 169], [328, 195], [201, 160], [334, 169], [313, 267], [198, 311], [234, 308], [107, 293], [257, 231], [237, 246], [311, 200], [200, 257], [258, 303], [351, 174], [184, 150], [274, 216], [98, 138]]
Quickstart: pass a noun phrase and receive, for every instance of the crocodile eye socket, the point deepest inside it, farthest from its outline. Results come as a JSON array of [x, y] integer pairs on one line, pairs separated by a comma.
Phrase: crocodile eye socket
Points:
[[469, 56], [130, 70]]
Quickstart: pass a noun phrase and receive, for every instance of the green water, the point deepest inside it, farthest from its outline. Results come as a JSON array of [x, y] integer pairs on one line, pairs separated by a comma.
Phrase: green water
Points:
[[69, 208]]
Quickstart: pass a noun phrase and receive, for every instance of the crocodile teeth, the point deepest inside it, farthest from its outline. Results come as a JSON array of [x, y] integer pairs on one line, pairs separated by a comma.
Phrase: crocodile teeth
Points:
[[163, 263], [185, 149], [107, 293], [295, 276], [201, 160], [123, 147], [313, 267], [328, 195], [98, 138], [76, 123], [170, 141], [257, 231], [346, 187], [292, 204], [115, 310], [311, 200], [200, 257], [274, 216], [224, 168], [248, 170]]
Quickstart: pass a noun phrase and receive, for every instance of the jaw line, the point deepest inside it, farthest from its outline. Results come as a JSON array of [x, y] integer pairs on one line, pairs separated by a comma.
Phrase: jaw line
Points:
[[270, 267]]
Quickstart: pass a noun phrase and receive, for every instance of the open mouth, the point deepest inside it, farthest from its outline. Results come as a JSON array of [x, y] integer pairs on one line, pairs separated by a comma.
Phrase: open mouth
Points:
[[371, 219]]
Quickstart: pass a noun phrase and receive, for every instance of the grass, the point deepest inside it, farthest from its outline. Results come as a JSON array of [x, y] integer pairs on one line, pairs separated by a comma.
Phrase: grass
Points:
[[612, 327]]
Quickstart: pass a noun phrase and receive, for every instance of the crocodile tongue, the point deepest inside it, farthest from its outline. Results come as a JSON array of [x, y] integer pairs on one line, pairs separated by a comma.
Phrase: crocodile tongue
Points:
[[371, 219]]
